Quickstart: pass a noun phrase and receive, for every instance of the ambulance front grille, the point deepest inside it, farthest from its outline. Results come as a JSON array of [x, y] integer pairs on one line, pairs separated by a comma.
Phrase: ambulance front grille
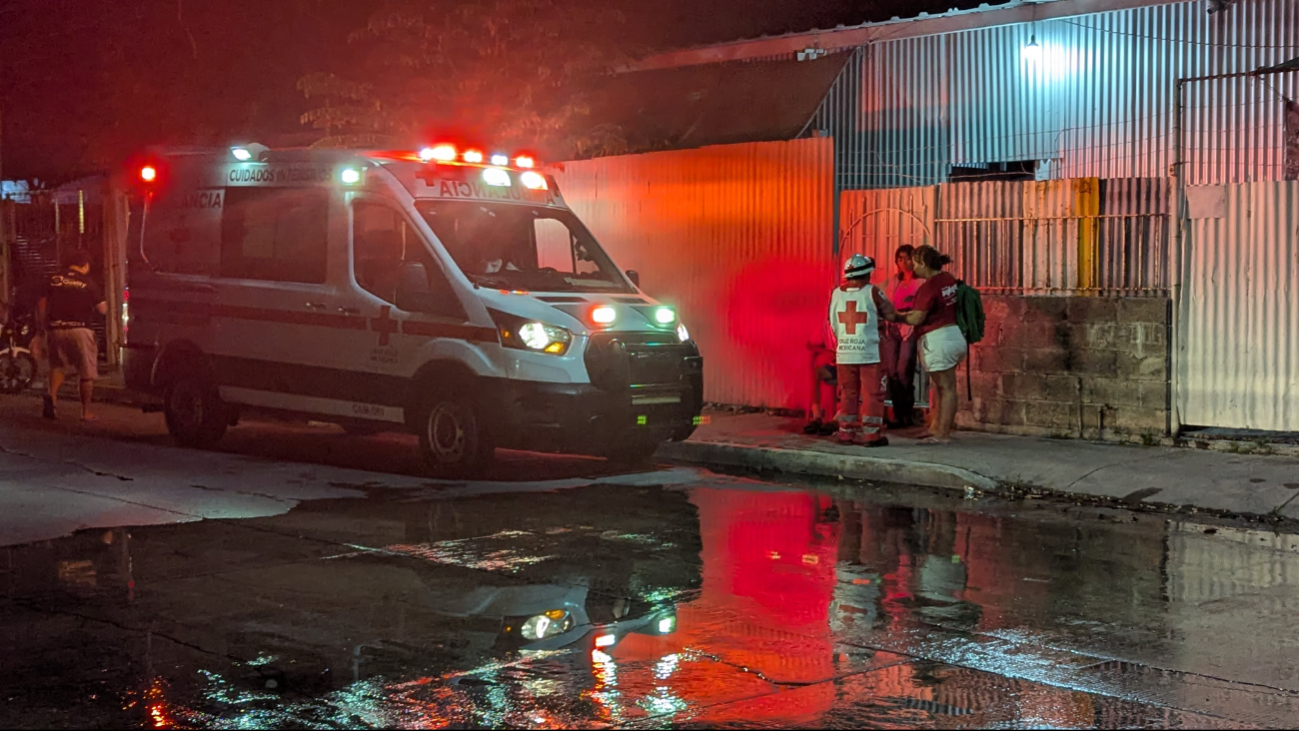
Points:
[[617, 361]]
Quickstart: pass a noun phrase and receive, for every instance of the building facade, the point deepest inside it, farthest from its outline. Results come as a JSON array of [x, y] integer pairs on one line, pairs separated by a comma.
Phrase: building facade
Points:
[[1116, 176]]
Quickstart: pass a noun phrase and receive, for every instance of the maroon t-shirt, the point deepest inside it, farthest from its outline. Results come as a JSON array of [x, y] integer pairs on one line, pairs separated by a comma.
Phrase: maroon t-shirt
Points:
[[937, 298]]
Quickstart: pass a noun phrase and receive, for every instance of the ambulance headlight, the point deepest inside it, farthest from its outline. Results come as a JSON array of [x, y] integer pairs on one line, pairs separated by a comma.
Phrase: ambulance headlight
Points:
[[682, 333], [545, 338], [538, 337], [554, 622]]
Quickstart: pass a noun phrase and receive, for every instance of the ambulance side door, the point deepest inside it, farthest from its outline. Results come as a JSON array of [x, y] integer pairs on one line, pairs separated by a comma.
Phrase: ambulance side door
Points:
[[399, 287], [279, 325]]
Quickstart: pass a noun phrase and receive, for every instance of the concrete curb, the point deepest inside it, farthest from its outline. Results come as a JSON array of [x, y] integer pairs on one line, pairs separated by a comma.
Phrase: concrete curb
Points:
[[826, 464]]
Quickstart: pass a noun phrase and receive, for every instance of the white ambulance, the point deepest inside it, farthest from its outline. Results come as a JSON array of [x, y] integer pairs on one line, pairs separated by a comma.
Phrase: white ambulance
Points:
[[445, 292]]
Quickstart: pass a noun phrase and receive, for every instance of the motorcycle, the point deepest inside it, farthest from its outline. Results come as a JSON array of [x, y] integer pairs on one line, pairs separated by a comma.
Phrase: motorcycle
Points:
[[17, 365]]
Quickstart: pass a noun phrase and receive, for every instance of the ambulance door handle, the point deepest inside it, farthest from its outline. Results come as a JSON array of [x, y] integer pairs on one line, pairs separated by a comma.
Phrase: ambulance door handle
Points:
[[316, 305], [349, 310]]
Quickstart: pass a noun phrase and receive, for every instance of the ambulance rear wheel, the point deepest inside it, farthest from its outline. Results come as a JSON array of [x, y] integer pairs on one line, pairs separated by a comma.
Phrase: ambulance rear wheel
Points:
[[452, 440], [194, 412]]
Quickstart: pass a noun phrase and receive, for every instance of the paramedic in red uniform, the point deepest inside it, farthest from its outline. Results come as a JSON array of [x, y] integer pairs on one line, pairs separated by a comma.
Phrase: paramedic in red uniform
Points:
[[942, 346], [857, 314], [66, 309]]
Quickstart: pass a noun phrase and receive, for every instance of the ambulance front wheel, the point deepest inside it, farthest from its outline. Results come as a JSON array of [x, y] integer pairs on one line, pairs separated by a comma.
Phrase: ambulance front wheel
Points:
[[194, 412], [452, 440]]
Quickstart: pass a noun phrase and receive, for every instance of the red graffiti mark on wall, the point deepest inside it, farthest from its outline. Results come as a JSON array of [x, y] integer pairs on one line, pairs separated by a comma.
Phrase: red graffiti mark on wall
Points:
[[774, 308]]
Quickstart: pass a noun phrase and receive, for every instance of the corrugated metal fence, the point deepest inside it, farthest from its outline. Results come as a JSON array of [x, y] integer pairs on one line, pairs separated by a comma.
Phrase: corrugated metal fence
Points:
[[1239, 339], [739, 237], [1084, 236]]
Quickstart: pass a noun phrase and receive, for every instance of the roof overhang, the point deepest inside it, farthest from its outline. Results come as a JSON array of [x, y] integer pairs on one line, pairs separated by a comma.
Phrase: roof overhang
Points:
[[985, 16]]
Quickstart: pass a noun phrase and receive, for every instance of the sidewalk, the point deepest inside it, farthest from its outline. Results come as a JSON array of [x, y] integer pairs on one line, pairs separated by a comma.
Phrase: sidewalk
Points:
[[1217, 481], [1222, 479]]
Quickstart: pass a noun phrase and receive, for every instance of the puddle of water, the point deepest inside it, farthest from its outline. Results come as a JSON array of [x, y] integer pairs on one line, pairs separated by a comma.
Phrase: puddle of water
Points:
[[612, 606]]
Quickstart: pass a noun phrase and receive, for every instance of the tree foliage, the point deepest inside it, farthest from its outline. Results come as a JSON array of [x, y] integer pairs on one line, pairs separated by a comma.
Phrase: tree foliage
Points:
[[507, 72]]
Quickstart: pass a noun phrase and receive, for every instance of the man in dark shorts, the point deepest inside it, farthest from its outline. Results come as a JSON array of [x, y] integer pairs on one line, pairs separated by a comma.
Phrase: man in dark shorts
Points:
[[71, 299]]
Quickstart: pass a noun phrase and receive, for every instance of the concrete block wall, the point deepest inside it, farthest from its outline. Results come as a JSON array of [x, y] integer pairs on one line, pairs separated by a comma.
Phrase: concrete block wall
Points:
[[1082, 367]]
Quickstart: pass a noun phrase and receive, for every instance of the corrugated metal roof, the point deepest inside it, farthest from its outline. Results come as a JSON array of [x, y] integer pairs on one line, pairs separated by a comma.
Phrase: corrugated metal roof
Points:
[[712, 105], [844, 37]]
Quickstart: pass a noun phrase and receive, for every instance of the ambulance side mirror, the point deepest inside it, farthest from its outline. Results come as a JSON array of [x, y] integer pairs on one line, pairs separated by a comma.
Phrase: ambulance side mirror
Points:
[[634, 276]]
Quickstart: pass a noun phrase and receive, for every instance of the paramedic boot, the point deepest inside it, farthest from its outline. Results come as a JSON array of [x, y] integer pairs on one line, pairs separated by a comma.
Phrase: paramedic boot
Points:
[[849, 429], [872, 433]]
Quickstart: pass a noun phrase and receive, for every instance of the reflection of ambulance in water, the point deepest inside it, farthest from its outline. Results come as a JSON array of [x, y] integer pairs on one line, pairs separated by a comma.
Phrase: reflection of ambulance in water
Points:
[[441, 293]]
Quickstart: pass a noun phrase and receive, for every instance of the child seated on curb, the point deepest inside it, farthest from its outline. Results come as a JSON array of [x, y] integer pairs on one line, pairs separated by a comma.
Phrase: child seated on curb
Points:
[[857, 314], [825, 384]]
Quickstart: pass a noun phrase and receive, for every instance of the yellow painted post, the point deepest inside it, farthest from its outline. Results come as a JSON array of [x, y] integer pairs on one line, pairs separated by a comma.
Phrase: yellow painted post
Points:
[[1087, 207]]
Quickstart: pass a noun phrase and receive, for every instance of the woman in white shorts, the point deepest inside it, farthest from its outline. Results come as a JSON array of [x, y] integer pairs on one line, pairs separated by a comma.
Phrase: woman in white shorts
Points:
[[942, 346]]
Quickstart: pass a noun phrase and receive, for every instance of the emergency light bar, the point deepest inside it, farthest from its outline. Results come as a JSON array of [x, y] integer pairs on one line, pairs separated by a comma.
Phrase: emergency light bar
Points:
[[440, 153], [445, 152]]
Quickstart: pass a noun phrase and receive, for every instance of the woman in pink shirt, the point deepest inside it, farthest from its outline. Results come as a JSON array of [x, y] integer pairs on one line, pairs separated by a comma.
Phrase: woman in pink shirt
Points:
[[898, 347]]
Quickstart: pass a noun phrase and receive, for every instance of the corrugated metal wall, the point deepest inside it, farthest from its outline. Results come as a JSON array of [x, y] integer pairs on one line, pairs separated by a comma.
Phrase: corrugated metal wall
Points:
[[1097, 100], [1239, 339], [1054, 237], [740, 237]]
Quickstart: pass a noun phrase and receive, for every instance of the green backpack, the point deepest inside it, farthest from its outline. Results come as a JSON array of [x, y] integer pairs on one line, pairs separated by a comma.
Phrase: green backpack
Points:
[[969, 312]]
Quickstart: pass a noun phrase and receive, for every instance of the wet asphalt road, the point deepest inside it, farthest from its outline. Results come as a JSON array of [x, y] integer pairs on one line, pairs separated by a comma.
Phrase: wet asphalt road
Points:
[[704, 601]]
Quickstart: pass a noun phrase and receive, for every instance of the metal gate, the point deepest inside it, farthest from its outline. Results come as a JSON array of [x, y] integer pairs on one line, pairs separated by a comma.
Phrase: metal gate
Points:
[[1240, 307]]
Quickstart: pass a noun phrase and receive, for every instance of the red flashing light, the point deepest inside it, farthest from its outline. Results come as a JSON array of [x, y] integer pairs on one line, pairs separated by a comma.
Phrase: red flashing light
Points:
[[473, 156], [525, 161], [148, 173], [442, 153]]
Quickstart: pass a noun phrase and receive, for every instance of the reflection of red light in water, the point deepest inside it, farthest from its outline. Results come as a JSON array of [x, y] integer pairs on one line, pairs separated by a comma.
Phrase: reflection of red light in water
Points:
[[159, 715], [768, 578]]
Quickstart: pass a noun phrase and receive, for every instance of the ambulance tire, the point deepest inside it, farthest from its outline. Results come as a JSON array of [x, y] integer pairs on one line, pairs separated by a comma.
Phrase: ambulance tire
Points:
[[194, 412], [452, 442]]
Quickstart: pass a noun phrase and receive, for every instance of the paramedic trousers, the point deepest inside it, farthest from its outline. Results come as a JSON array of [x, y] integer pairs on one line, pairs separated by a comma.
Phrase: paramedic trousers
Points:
[[861, 402]]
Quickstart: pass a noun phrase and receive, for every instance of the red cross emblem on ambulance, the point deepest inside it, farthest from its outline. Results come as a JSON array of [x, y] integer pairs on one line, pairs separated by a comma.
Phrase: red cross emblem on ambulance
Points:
[[384, 324]]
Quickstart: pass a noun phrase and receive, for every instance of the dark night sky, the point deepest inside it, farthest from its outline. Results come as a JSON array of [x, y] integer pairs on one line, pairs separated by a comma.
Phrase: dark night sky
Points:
[[84, 83]]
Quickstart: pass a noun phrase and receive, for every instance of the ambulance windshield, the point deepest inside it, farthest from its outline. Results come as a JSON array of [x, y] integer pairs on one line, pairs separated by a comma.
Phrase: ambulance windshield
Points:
[[522, 247]]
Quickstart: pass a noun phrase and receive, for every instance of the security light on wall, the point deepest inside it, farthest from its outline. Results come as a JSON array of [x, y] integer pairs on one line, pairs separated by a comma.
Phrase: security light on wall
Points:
[[1032, 52]]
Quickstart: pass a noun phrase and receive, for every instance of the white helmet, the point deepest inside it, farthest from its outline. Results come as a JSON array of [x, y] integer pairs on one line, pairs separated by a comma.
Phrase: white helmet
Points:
[[858, 266]]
